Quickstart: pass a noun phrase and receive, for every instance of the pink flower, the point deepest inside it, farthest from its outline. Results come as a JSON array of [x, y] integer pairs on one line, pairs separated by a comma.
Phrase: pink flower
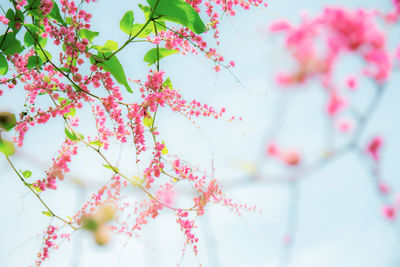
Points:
[[272, 149], [383, 188], [4, 20], [345, 125], [280, 26], [374, 146], [352, 83], [335, 104], [389, 212], [291, 157]]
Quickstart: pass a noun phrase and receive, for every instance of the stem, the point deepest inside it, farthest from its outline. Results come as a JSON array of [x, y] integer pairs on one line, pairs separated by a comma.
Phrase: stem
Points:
[[37, 195]]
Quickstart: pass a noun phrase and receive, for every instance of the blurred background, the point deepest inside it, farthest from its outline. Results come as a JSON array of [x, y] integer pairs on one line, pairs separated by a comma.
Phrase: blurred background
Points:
[[329, 217]]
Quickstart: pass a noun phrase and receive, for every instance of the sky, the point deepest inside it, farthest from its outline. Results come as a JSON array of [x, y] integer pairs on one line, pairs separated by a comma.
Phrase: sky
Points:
[[338, 216]]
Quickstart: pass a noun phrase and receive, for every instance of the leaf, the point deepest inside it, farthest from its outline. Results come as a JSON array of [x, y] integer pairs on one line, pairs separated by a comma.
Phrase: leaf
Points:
[[44, 55], [69, 20], [137, 181], [27, 174], [71, 135], [63, 101], [167, 83], [32, 34], [33, 28], [72, 112], [114, 169], [55, 14], [144, 33], [10, 45], [151, 55], [34, 61], [47, 213], [164, 151], [34, 187], [3, 65], [146, 11], [15, 19], [109, 46], [7, 120], [180, 12], [34, 8], [10, 15], [148, 121], [115, 68], [86, 34], [96, 143], [126, 23], [29, 40], [160, 26], [90, 224], [7, 147], [64, 69]]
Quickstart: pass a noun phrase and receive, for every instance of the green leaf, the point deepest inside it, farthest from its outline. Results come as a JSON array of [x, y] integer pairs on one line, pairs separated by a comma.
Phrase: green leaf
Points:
[[27, 174], [96, 143], [34, 28], [146, 11], [69, 20], [55, 14], [114, 169], [151, 55], [167, 83], [160, 26], [7, 147], [109, 46], [29, 40], [72, 112], [71, 135], [164, 151], [10, 15], [126, 22], [144, 33], [47, 213], [63, 101], [90, 224], [114, 67], [34, 61], [34, 187], [44, 55], [86, 34], [7, 121], [180, 12], [148, 121], [33, 8], [64, 69], [14, 19], [3, 65], [10, 45]]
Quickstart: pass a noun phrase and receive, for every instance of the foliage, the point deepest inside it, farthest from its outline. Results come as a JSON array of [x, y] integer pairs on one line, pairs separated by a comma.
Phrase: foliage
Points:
[[76, 72]]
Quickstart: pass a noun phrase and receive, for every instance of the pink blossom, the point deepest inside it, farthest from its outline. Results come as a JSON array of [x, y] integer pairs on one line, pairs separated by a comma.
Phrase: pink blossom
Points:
[[291, 157], [4, 20], [352, 83], [383, 188], [374, 147], [272, 149], [389, 212], [345, 125]]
